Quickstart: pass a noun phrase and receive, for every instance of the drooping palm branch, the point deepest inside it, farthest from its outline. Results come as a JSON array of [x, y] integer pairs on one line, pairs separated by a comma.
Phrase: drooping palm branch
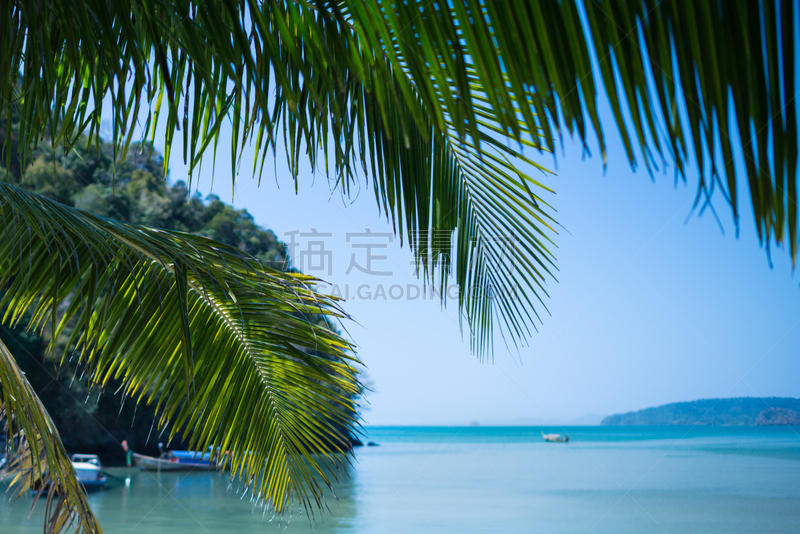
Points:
[[422, 95], [36, 459], [225, 347]]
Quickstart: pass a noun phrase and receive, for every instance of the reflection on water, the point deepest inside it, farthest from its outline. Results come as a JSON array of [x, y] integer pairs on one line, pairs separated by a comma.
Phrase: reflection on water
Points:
[[450, 480], [184, 502]]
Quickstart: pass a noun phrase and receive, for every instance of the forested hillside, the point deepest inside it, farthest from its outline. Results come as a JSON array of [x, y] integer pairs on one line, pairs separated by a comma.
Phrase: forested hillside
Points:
[[737, 411]]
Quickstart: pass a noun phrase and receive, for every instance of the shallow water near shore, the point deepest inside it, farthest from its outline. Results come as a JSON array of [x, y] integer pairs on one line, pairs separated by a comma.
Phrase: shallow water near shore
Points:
[[497, 479]]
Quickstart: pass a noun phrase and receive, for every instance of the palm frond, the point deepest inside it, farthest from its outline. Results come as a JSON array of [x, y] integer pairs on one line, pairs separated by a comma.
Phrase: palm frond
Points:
[[467, 211], [225, 347], [461, 203], [451, 189], [436, 81], [36, 457], [685, 78], [719, 77]]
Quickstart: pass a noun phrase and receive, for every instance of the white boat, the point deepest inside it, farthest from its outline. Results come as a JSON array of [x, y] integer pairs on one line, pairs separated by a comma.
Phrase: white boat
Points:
[[555, 437], [88, 470]]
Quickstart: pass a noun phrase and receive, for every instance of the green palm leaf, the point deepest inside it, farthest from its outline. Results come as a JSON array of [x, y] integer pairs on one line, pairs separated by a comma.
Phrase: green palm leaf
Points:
[[468, 212], [226, 349], [387, 87], [36, 457]]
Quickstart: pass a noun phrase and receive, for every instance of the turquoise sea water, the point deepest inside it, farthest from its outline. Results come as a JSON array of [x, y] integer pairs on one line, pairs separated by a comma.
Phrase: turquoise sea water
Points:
[[493, 479]]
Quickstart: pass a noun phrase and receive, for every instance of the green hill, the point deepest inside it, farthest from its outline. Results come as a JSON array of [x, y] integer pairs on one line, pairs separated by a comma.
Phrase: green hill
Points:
[[738, 411]]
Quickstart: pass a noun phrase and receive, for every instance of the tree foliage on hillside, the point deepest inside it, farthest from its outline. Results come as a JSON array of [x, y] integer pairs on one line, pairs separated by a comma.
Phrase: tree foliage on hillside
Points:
[[135, 192]]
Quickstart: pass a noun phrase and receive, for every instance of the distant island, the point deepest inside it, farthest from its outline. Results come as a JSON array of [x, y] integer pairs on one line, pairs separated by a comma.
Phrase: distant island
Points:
[[738, 411]]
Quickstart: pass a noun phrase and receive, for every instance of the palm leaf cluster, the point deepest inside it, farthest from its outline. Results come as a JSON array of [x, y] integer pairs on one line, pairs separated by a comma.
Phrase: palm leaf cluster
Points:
[[424, 97], [335, 86], [719, 77], [36, 459], [225, 347]]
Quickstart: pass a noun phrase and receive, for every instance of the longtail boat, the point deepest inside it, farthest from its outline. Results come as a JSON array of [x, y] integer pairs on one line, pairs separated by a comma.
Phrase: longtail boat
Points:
[[175, 461], [555, 437]]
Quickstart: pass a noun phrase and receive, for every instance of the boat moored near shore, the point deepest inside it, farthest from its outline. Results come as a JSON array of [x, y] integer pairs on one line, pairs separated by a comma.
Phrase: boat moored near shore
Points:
[[175, 461], [88, 470]]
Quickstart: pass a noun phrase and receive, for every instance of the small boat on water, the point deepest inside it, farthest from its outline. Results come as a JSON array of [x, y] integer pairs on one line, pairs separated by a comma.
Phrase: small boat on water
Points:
[[88, 470], [174, 461], [555, 437]]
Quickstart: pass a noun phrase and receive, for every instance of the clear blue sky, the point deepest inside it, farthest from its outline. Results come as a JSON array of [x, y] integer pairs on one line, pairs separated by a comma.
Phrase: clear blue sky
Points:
[[649, 309]]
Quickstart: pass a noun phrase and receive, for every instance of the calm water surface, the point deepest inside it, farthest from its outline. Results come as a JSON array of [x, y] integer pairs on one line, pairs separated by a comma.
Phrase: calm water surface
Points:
[[464, 480]]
